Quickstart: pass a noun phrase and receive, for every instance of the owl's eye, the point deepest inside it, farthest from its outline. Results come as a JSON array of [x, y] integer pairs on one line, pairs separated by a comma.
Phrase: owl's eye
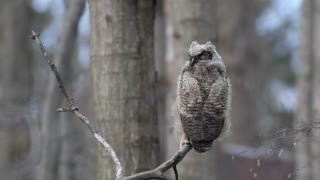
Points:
[[204, 56]]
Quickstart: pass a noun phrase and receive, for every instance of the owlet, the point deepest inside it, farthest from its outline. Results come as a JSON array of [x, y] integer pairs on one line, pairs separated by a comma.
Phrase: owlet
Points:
[[203, 97]]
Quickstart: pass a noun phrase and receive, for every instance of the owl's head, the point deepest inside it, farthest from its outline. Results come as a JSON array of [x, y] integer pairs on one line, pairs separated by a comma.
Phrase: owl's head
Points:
[[202, 52]]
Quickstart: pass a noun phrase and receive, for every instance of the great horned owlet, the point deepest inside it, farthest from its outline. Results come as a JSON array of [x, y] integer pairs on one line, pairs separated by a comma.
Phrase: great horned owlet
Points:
[[203, 97]]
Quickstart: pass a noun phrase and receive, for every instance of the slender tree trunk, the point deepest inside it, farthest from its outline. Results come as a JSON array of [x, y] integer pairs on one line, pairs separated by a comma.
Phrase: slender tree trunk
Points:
[[56, 128], [160, 52], [240, 48], [74, 144], [308, 147], [124, 83], [15, 82]]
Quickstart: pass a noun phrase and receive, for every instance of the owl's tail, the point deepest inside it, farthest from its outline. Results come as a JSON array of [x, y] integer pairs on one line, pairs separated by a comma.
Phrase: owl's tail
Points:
[[201, 146]]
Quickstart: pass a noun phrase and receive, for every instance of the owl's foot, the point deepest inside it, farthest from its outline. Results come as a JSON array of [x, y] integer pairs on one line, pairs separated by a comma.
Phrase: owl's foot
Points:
[[184, 140]]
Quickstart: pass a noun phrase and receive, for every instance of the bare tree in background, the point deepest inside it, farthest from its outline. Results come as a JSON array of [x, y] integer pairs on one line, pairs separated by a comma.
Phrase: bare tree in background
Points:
[[160, 61], [124, 83], [74, 154], [59, 150], [241, 50], [15, 81], [308, 109]]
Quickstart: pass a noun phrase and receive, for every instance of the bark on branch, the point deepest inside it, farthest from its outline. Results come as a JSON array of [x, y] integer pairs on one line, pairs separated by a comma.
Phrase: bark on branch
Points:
[[157, 173]]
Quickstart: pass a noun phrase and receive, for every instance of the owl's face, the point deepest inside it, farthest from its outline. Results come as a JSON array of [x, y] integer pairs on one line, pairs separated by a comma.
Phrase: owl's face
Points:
[[202, 53]]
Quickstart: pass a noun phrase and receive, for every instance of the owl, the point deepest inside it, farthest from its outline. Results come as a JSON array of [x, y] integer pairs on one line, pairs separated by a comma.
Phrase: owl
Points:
[[203, 98]]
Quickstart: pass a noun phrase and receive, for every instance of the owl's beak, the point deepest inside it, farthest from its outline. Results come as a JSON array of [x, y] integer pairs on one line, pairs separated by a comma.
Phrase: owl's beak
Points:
[[194, 60]]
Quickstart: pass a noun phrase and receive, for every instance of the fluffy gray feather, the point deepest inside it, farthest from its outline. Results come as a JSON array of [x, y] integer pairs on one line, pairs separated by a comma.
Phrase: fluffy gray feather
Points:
[[203, 97]]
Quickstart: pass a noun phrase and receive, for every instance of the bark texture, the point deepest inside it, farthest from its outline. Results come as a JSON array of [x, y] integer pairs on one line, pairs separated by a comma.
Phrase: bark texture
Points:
[[124, 83], [308, 109]]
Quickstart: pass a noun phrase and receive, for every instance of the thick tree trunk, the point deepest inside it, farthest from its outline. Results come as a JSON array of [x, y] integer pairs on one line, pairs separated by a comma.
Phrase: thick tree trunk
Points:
[[124, 83], [308, 147]]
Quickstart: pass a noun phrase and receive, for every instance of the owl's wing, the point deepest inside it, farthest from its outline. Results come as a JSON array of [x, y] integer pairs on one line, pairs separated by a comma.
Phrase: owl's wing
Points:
[[216, 107], [189, 105], [189, 94]]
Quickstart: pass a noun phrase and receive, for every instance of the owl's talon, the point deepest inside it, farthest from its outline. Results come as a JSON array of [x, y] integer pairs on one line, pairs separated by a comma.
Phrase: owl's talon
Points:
[[184, 140]]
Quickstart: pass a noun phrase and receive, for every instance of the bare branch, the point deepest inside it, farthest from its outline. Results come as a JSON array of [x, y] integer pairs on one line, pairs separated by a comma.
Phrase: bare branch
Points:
[[71, 107], [157, 173]]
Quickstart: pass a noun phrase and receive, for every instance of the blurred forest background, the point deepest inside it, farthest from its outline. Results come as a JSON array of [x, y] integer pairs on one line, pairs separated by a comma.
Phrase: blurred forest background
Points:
[[121, 59]]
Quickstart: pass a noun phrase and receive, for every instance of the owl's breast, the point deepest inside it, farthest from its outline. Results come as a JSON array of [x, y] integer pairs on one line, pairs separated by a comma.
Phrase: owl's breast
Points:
[[205, 85], [201, 105]]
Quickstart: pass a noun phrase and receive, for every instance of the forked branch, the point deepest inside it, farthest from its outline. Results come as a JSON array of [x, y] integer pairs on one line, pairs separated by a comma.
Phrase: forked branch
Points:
[[158, 172]]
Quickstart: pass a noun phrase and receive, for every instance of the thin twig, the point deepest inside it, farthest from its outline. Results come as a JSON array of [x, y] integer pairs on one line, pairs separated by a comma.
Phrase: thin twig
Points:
[[71, 107]]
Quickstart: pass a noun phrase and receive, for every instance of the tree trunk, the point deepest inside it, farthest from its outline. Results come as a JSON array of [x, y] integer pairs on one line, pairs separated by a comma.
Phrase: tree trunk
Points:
[[308, 109], [124, 83], [74, 145], [15, 82], [239, 46]]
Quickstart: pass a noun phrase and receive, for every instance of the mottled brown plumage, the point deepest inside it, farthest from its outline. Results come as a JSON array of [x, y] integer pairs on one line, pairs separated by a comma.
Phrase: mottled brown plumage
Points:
[[203, 97]]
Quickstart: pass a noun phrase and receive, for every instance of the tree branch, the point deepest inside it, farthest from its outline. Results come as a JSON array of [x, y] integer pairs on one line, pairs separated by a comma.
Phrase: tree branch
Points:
[[72, 108], [157, 173]]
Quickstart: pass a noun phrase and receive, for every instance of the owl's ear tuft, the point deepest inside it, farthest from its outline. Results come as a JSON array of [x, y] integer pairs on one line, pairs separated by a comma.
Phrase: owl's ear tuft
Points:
[[209, 43], [210, 47], [194, 43]]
